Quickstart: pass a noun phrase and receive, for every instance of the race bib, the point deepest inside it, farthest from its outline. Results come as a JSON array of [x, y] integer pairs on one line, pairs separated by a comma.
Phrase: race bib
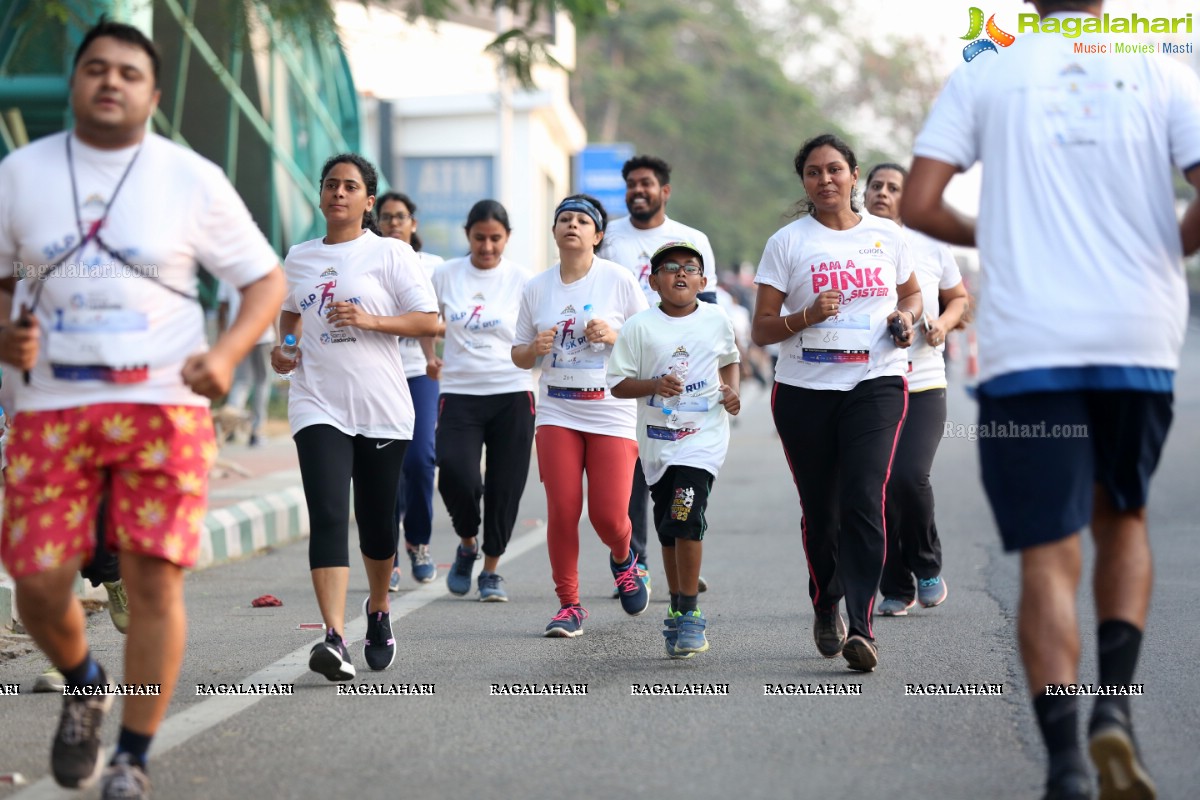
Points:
[[844, 339], [105, 344]]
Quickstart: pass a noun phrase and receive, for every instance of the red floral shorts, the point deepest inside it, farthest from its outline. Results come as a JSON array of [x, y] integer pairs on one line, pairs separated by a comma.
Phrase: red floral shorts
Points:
[[152, 460]]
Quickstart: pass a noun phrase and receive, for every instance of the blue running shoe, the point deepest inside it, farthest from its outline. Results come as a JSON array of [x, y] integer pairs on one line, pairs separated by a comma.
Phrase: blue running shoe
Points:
[[644, 573], [690, 638], [567, 623], [671, 634], [894, 607], [459, 579], [634, 592], [423, 568], [931, 591], [394, 580], [491, 588]]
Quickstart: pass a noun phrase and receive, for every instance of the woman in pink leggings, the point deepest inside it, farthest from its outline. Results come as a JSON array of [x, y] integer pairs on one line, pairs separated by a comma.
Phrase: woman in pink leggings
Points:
[[570, 316]]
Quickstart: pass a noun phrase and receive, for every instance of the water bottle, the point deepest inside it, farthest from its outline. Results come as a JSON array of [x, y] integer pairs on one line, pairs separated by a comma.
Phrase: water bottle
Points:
[[678, 369], [588, 317], [289, 350]]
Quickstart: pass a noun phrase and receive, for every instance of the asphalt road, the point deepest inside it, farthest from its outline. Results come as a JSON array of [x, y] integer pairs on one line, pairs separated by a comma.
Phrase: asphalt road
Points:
[[462, 741]]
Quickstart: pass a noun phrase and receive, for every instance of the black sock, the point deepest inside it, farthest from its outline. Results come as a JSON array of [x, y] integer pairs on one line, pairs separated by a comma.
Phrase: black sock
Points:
[[136, 745], [687, 602], [1119, 643], [627, 563], [1058, 719], [674, 601], [86, 673]]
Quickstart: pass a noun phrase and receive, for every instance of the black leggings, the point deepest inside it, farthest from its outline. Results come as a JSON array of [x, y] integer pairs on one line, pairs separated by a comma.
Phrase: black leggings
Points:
[[503, 423], [329, 461], [913, 547], [839, 446]]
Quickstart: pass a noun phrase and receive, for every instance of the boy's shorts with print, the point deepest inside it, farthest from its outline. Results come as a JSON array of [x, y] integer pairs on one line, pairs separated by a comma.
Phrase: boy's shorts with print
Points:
[[680, 502], [153, 461]]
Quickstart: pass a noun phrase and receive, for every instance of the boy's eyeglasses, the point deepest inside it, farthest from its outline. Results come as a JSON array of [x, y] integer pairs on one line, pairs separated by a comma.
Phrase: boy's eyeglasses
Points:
[[400, 216], [672, 267]]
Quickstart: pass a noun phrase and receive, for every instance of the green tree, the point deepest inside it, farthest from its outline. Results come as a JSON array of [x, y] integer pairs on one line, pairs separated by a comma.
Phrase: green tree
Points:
[[698, 85]]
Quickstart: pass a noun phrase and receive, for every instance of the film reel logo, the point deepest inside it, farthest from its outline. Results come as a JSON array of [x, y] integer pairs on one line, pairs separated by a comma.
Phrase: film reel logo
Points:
[[995, 36]]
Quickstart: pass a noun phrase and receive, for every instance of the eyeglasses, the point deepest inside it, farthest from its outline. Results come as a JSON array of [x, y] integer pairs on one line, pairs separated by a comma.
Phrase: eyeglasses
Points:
[[399, 216], [672, 267]]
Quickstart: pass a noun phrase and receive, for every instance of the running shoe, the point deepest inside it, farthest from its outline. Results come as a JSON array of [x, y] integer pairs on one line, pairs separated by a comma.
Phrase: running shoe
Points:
[[423, 568], [1115, 753], [894, 607], [379, 646], [50, 681], [931, 591], [671, 634], [690, 636], [567, 623], [829, 631], [491, 588], [331, 658], [124, 779], [75, 754], [459, 579], [632, 588], [702, 584], [394, 580], [860, 653], [118, 604], [644, 574], [1073, 786]]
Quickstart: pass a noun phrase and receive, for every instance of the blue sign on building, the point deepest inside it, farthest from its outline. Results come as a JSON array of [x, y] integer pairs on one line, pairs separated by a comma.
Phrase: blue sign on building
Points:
[[598, 173], [444, 189]]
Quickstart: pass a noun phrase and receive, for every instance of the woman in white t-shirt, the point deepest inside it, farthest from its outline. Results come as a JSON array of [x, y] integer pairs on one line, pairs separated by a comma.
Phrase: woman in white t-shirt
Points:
[[397, 215], [839, 396], [350, 294], [913, 547], [570, 316], [486, 400]]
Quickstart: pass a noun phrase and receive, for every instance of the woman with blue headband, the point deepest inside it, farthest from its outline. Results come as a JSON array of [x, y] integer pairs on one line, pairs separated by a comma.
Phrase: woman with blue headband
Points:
[[570, 317]]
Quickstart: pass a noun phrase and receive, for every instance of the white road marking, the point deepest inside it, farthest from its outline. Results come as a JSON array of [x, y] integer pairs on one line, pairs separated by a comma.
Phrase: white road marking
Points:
[[197, 718]]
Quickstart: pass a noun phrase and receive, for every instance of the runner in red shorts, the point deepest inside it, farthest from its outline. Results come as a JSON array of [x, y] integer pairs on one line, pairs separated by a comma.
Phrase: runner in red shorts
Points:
[[109, 331]]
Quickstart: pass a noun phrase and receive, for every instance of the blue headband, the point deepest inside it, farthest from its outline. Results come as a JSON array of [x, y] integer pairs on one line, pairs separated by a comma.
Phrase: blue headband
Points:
[[579, 204]]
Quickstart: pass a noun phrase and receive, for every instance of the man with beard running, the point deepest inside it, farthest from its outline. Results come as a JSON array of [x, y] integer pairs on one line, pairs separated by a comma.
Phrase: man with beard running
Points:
[[630, 241]]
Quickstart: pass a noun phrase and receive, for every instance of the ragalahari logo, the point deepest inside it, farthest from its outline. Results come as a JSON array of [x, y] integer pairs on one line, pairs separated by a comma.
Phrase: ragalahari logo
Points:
[[995, 36]]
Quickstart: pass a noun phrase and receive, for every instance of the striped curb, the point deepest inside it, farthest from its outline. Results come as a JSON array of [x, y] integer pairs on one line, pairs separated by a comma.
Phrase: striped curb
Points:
[[244, 528]]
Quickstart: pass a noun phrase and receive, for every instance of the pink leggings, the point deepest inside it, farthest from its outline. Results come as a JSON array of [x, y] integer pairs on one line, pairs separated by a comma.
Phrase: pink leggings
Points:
[[563, 457]]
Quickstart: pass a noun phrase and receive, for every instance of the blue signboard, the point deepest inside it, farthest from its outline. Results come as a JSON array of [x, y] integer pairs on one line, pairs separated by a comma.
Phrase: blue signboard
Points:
[[444, 190], [598, 173]]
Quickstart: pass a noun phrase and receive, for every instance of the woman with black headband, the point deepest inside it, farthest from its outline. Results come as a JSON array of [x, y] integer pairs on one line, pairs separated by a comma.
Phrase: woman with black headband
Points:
[[570, 316]]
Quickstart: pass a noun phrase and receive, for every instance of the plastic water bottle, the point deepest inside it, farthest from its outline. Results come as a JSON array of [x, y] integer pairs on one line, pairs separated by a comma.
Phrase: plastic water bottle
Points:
[[289, 350], [678, 369], [588, 317]]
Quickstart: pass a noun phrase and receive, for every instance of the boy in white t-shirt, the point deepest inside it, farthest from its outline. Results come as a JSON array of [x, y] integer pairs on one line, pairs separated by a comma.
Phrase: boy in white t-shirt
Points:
[[683, 358]]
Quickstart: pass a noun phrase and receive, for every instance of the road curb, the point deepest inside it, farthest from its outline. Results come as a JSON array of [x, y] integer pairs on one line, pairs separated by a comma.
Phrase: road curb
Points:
[[230, 532]]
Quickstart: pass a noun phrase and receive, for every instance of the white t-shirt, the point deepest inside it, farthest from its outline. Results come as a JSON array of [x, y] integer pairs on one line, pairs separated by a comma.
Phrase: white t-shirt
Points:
[[481, 307], [232, 296], [573, 389], [696, 433], [1077, 228], [347, 377], [99, 320], [410, 348], [865, 263], [632, 247], [936, 270]]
